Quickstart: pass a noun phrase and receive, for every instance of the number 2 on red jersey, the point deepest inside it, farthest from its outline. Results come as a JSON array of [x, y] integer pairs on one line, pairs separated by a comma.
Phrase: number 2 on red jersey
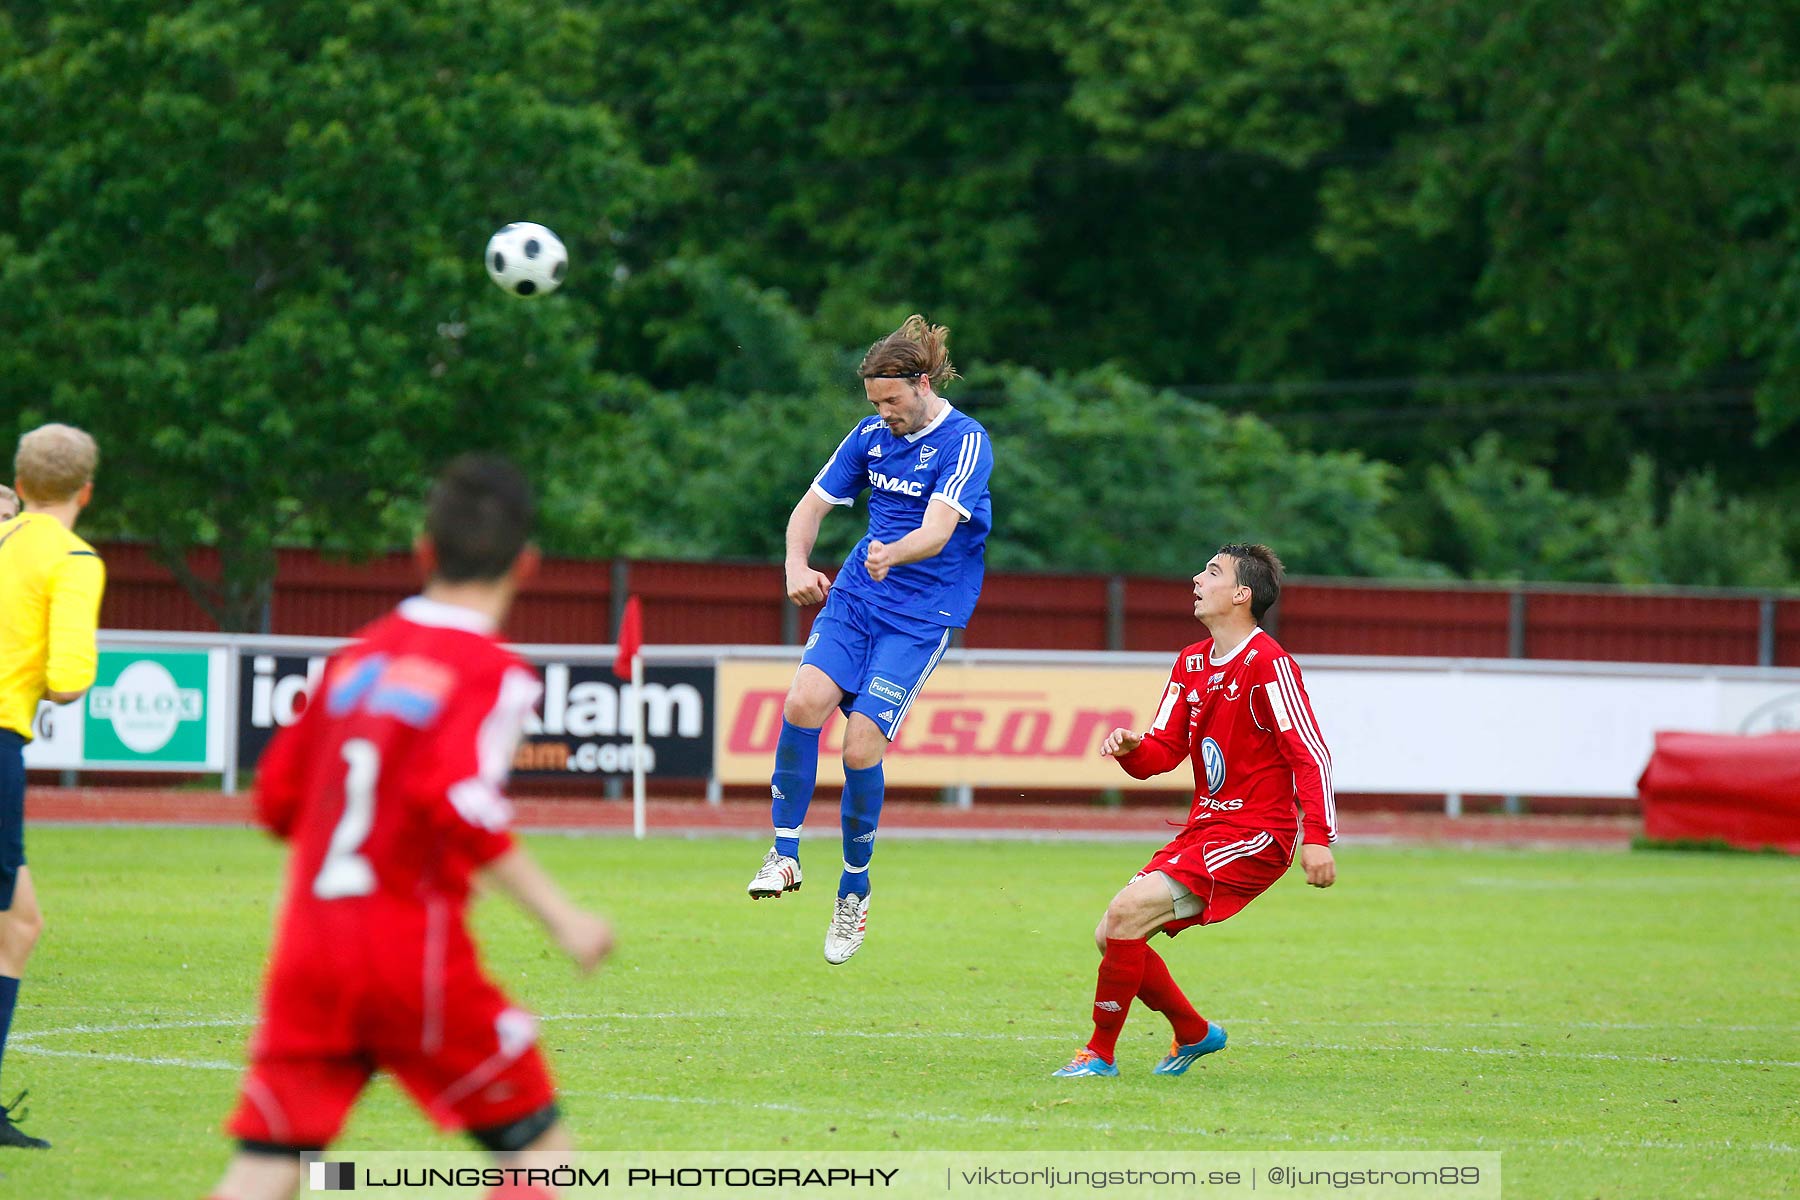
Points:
[[345, 872]]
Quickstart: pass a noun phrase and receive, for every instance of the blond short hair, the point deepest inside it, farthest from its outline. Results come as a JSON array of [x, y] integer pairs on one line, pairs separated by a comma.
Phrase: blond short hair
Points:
[[9, 503], [54, 462]]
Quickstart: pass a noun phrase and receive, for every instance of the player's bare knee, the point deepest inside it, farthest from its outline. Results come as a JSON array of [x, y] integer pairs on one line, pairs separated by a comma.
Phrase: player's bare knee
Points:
[[805, 711], [864, 743], [1118, 919], [796, 711], [810, 698], [861, 758], [19, 933], [1135, 912], [262, 1171]]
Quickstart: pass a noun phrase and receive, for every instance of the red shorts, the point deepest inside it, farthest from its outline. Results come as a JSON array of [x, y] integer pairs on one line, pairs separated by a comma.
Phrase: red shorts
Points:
[[429, 1017], [1224, 868]]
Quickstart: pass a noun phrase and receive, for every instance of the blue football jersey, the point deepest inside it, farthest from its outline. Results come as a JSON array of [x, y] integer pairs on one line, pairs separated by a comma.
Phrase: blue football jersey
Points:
[[949, 460]]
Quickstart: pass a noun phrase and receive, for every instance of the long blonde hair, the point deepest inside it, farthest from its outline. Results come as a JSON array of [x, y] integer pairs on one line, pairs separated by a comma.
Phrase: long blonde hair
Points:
[[914, 349]]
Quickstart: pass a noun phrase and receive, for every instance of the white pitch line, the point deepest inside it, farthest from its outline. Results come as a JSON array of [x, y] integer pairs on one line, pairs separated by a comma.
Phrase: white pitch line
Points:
[[876, 1118], [1060, 1121], [27, 1042], [134, 1027], [197, 1064], [1528, 1052], [1622, 1026]]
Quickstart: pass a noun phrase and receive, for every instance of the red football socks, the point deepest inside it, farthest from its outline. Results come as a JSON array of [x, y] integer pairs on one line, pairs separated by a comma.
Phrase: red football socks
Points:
[[1160, 991], [1121, 973]]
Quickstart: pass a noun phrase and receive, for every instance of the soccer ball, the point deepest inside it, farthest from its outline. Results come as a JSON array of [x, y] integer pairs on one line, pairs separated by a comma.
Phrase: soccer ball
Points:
[[526, 259]]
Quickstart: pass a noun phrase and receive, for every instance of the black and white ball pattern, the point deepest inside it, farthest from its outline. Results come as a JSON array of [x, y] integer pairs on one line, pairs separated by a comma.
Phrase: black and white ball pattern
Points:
[[526, 259]]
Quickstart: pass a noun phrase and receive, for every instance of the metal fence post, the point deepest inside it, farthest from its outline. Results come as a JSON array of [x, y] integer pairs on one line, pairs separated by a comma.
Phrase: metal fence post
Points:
[[1515, 625], [1765, 632], [621, 590], [1115, 612], [234, 654]]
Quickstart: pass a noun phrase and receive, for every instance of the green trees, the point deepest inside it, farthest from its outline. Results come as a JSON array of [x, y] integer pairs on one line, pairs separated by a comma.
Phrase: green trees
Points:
[[237, 248], [1476, 287]]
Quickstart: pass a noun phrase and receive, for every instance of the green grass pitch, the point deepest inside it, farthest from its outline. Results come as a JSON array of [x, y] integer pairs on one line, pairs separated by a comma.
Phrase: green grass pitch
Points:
[[1615, 1025]]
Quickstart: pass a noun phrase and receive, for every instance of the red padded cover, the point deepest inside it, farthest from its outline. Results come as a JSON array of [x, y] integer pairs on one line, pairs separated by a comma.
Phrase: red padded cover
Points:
[[1742, 790]]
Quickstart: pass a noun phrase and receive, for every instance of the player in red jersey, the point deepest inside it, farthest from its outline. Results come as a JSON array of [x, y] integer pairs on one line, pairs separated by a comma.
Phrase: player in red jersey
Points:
[[388, 789], [1235, 705]]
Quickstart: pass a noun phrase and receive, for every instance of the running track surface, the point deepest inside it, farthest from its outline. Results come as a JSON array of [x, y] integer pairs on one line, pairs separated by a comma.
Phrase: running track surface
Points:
[[686, 818]]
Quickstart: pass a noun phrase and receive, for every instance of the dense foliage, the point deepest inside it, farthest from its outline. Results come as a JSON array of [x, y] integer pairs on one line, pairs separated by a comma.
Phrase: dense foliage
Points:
[[1497, 290]]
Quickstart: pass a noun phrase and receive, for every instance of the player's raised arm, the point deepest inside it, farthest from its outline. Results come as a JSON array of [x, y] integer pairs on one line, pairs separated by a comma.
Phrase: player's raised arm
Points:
[[927, 541], [1164, 745], [961, 486]]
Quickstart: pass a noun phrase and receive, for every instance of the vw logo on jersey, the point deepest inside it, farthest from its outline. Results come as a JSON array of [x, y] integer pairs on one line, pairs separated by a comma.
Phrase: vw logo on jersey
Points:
[[1213, 759]]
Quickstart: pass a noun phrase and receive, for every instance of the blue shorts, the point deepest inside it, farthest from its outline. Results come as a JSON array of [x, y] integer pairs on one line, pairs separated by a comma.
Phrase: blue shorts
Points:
[[12, 813], [879, 660]]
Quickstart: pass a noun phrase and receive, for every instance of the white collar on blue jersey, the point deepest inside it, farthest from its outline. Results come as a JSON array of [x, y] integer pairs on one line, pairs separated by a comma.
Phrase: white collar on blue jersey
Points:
[[935, 422], [439, 615]]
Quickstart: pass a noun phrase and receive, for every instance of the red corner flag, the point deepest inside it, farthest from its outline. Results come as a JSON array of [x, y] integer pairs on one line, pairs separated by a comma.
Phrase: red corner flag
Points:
[[631, 637]]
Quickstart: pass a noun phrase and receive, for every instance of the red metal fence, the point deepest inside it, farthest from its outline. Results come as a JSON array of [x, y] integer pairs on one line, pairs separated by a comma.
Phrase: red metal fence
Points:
[[574, 601]]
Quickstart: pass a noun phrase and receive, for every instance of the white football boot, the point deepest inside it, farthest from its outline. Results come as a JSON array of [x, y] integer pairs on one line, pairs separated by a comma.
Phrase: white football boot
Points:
[[778, 874], [845, 933]]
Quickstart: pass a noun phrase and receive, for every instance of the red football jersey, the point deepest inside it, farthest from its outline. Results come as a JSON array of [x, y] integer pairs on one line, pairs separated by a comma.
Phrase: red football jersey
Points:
[[389, 784], [1245, 721]]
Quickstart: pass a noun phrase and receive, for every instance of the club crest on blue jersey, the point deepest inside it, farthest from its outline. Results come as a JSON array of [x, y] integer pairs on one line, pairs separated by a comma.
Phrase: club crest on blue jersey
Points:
[[1213, 759]]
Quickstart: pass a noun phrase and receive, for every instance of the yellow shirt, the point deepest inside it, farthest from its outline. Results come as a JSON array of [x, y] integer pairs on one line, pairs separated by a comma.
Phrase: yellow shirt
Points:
[[50, 586]]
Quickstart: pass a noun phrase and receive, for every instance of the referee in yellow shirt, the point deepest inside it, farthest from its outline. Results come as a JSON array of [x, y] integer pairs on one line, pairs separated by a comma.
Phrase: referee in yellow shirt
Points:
[[50, 585]]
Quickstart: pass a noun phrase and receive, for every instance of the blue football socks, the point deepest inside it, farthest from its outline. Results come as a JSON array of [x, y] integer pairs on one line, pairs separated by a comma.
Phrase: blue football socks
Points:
[[791, 786], [9, 996], [863, 791]]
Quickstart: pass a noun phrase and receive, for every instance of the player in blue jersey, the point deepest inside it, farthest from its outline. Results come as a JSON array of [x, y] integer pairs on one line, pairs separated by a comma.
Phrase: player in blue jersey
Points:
[[912, 579]]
